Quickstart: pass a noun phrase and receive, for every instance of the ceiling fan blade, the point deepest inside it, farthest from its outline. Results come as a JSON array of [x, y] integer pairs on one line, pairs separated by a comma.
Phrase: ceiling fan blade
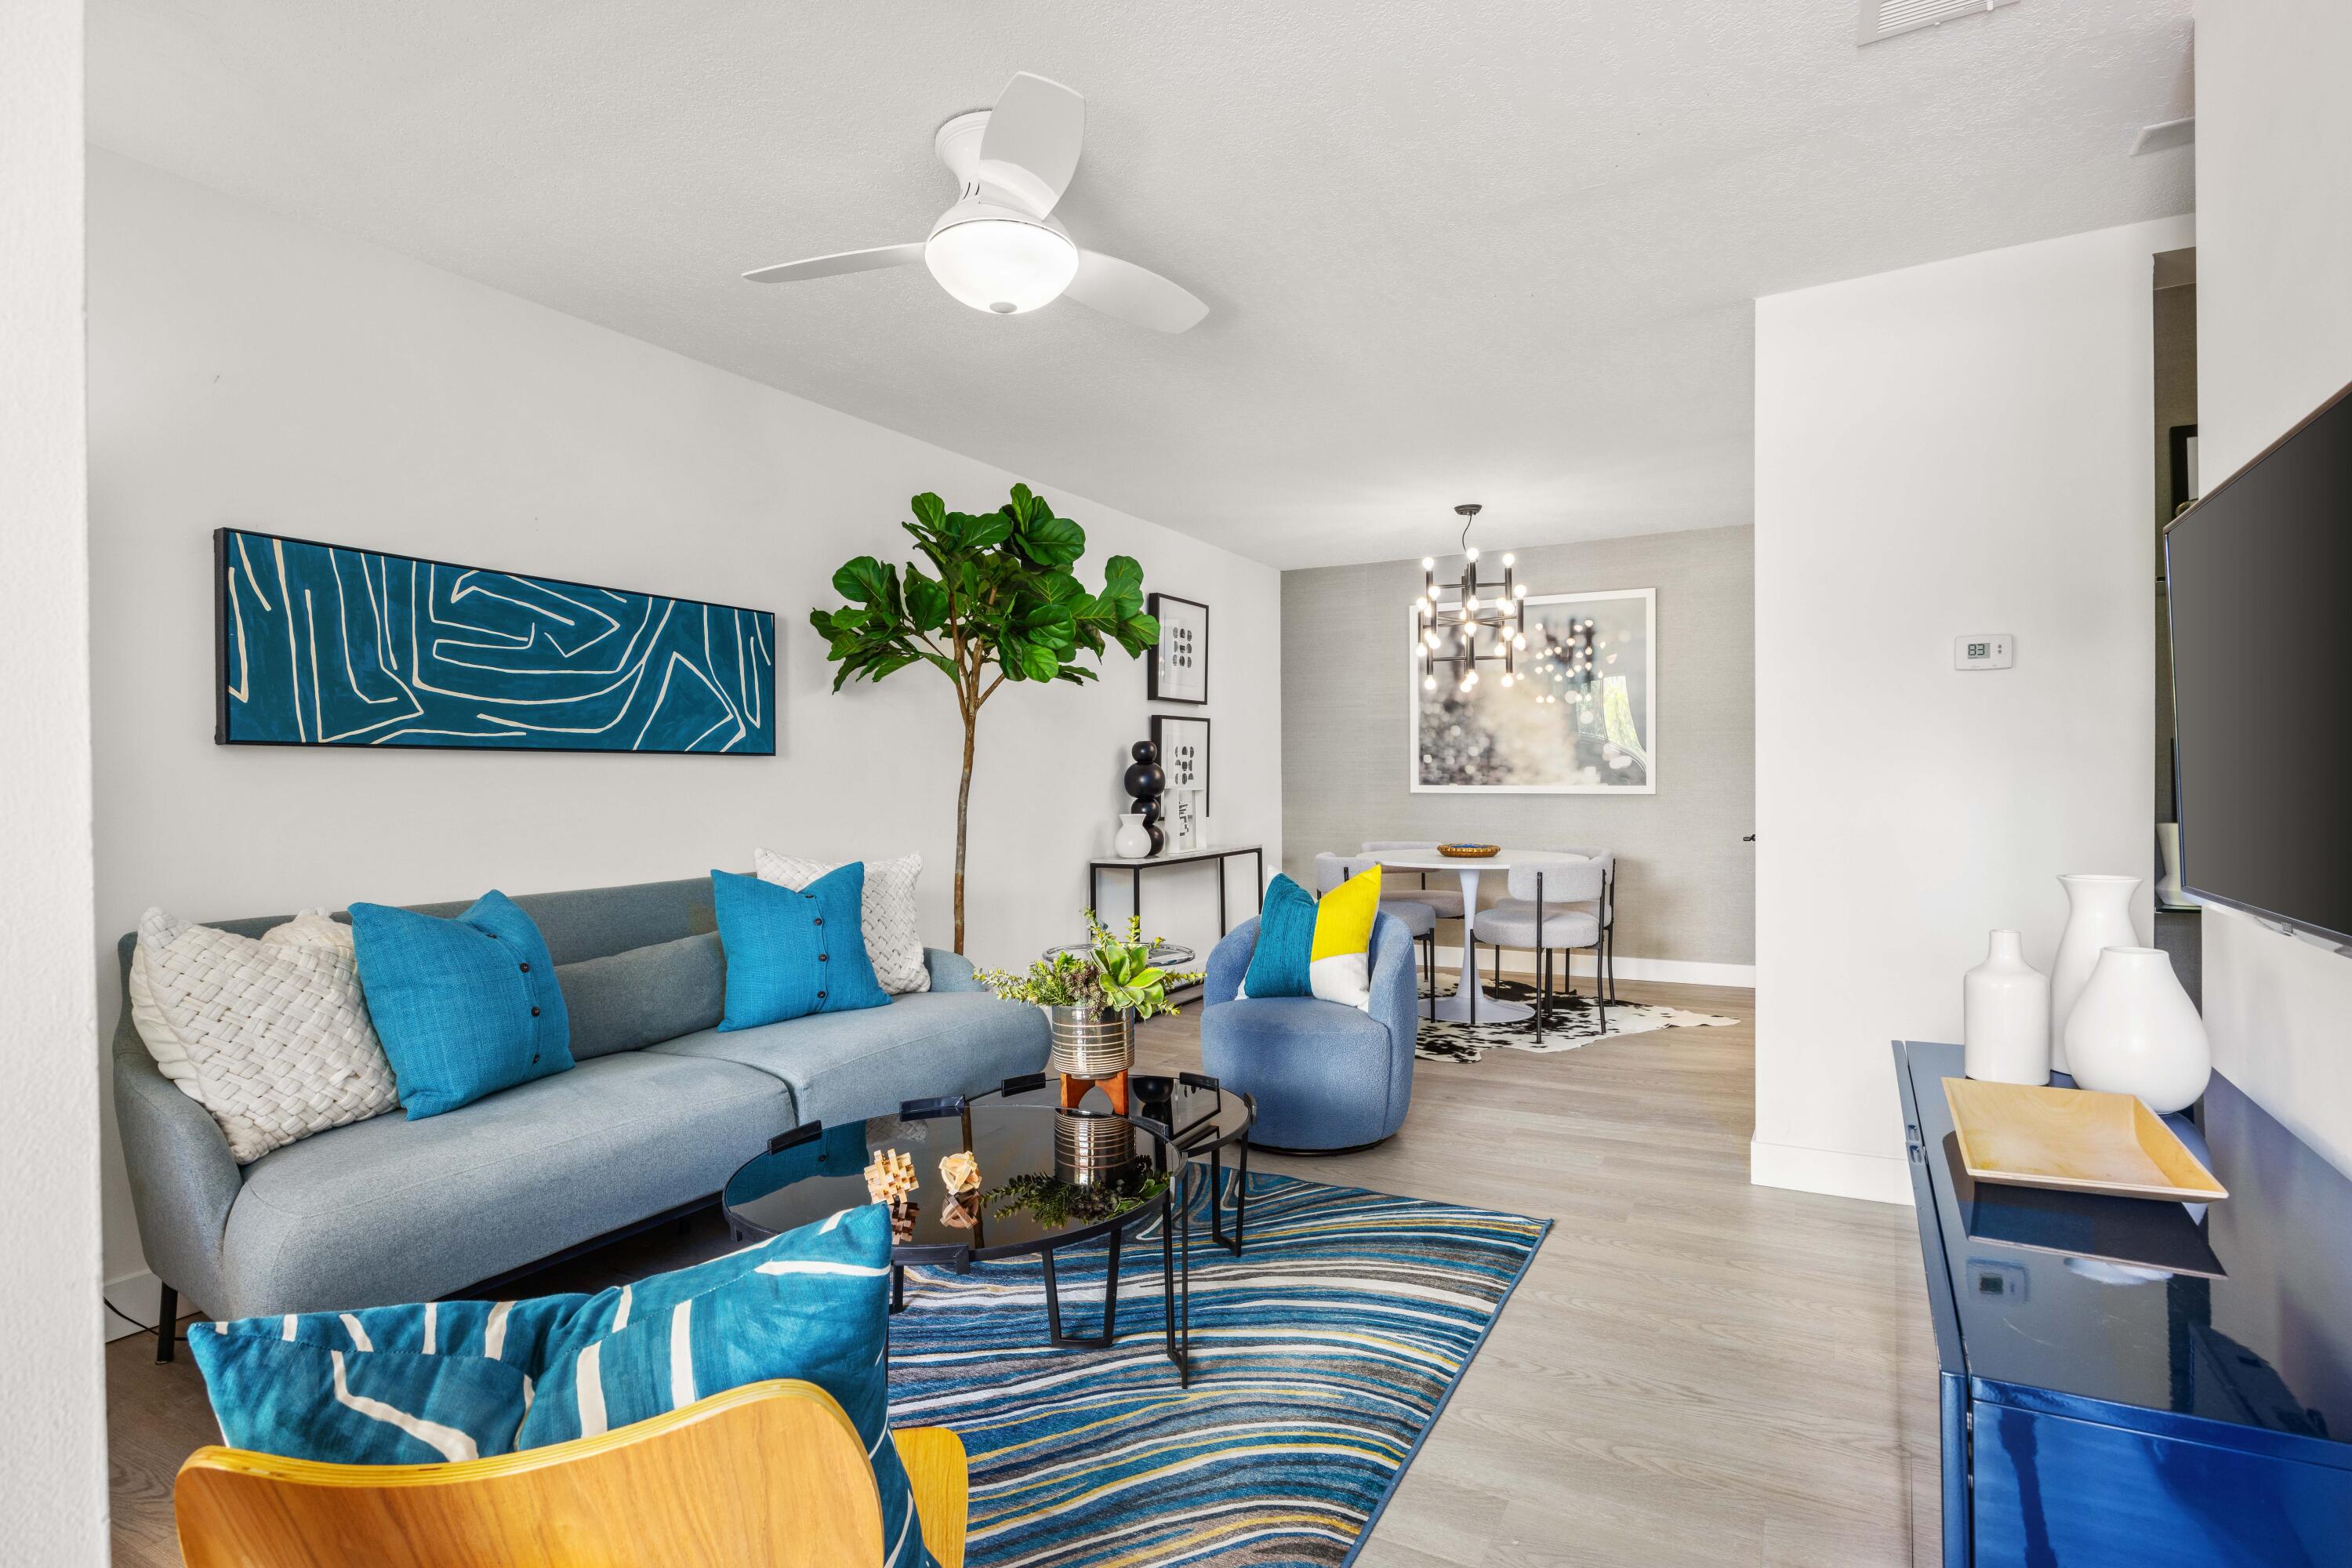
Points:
[[840, 261], [1030, 149], [1133, 293]]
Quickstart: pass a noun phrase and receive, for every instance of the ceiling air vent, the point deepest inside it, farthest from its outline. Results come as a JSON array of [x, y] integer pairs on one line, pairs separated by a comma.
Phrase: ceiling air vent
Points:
[[1884, 18]]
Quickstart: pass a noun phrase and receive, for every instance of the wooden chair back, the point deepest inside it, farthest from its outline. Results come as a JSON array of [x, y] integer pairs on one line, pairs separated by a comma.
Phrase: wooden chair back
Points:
[[770, 1475]]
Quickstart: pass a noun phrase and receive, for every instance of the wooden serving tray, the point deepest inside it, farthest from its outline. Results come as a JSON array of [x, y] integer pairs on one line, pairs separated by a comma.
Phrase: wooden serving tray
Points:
[[2073, 1140]]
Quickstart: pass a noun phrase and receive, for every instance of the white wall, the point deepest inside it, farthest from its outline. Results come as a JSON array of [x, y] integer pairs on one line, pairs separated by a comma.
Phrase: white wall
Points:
[[53, 1443], [1956, 448], [2273, 342], [253, 369]]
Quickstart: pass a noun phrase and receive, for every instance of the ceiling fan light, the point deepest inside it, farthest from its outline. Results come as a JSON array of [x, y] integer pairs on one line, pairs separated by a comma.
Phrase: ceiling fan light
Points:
[[1001, 265]]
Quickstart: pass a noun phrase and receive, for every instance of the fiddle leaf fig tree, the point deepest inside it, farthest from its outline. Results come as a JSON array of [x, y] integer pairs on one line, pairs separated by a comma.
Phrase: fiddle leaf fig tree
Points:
[[1001, 601]]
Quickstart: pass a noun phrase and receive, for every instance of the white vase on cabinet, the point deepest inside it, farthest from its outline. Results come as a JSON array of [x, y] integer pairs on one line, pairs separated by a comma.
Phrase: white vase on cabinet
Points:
[[2135, 1031], [2098, 916], [1131, 842], [2005, 1015]]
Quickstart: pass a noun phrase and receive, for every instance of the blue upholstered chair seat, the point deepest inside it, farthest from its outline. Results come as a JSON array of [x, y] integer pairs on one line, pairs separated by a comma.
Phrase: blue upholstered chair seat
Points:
[[1325, 1076]]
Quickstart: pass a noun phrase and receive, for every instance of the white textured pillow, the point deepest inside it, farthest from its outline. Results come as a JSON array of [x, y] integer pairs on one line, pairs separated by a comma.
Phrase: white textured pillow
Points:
[[272, 1036], [894, 940]]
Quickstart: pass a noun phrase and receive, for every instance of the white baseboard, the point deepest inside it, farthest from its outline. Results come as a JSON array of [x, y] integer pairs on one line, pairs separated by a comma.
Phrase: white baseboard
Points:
[[1666, 971], [1878, 1178], [133, 1294]]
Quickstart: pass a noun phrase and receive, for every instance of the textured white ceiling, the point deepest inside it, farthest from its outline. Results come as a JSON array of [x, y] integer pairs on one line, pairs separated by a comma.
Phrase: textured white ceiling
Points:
[[1496, 252]]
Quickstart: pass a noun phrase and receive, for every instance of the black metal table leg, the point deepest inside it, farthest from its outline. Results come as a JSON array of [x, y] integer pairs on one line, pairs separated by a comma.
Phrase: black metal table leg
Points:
[[1221, 896], [898, 1286], [167, 1321], [1172, 1214], [1110, 1303]]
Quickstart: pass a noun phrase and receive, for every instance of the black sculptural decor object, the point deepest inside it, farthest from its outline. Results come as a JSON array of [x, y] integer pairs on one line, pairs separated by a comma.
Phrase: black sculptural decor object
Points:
[[1145, 780]]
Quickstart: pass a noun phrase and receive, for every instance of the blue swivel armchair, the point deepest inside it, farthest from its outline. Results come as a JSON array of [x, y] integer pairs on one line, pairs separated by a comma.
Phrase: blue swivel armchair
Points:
[[1328, 1078]]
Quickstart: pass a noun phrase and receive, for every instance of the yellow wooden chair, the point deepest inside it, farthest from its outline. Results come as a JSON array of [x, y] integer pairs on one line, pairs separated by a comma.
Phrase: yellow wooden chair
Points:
[[770, 1475]]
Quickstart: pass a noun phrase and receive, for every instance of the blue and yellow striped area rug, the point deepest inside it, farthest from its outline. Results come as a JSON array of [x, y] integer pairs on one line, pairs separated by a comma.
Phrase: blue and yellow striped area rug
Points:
[[1320, 1359]]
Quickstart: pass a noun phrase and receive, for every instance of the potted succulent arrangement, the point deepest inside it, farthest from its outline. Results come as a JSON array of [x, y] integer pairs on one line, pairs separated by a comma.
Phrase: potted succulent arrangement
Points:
[[1095, 996]]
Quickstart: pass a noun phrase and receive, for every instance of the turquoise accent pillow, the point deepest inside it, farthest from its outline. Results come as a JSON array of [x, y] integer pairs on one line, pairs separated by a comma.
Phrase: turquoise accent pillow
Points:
[[791, 953], [465, 1008], [1278, 965], [455, 1379], [389, 1386]]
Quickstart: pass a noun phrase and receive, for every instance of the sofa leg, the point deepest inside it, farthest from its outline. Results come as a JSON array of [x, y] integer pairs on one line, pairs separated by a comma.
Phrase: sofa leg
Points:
[[167, 1321]]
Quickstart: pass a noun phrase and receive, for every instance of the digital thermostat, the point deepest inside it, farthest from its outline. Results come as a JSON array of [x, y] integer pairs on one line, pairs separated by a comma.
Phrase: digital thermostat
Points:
[[1984, 650]]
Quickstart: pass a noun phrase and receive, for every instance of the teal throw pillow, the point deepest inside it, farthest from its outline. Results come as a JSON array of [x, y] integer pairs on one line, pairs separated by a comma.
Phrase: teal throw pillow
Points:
[[389, 1386], [1278, 965], [459, 1380], [793, 953], [465, 1008]]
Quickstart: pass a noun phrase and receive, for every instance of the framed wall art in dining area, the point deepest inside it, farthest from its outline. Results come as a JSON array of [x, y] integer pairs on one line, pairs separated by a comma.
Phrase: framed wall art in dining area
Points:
[[323, 645], [1578, 715], [1183, 744], [1179, 660]]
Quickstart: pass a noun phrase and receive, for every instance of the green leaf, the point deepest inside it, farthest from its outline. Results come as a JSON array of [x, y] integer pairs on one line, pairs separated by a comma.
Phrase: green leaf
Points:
[[1051, 541], [926, 601], [864, 581], [1122, 572], [988, 530], [930, 511], [1040, 662]]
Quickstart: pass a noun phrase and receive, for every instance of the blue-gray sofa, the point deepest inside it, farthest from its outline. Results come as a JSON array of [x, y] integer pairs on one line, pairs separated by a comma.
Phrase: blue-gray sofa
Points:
[[661, 1108], [1327, 1078]]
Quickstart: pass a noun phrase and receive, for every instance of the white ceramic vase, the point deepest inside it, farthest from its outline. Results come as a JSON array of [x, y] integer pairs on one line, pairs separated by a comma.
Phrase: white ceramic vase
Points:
[[2098, 916], [2170, 894], [1131, 842], [2135, 1031], [2005, 1015]]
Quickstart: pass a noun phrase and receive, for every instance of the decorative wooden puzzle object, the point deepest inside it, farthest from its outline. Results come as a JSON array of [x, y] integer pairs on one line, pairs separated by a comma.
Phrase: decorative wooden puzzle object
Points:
[[962, 1210], [890, 1179], [961, 1172]]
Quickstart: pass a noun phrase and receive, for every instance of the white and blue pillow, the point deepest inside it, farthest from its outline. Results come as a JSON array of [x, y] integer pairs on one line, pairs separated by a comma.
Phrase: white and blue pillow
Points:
[[459, 1380]]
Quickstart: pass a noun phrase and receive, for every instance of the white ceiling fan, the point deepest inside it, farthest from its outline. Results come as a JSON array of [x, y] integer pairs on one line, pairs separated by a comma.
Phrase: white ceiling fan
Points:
[[999, 248]]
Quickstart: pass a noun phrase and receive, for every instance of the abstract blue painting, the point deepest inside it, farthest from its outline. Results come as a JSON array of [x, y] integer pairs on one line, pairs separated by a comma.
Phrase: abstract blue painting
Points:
[[321, 645]]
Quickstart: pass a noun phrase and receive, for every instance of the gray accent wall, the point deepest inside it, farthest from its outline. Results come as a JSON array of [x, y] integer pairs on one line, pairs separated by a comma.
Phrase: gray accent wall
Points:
[[1687, 883]]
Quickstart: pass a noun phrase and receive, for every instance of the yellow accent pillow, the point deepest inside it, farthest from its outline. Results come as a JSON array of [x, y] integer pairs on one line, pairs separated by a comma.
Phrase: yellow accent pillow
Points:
[[1339, 966]]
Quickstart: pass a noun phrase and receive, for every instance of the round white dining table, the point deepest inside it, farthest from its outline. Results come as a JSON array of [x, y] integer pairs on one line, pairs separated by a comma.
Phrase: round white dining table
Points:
[[1470, 1002]]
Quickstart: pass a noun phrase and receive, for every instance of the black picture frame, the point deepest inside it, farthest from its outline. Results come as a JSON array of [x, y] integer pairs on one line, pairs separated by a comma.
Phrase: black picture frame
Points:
[[1152, 674], [1208, 764]]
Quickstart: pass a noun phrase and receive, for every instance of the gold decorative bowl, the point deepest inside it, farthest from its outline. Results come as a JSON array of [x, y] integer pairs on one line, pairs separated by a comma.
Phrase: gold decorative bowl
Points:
[[1470, 851]]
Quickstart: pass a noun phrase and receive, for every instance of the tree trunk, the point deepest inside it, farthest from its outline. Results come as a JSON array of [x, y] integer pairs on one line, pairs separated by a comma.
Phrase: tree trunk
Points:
[[964, 806]]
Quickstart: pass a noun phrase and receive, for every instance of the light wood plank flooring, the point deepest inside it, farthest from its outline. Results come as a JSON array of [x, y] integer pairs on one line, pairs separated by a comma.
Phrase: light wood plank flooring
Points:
[[1694, 1370]]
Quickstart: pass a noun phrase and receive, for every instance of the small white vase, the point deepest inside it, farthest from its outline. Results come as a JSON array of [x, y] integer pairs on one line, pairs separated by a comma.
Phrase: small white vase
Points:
[[1131, 842], [2098, 916], [2005, 1015], [2135, 1031], [2170, 894]]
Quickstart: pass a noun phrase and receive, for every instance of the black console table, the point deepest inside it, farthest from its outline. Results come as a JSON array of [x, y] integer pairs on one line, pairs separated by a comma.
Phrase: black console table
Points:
[[2129, 1384], [1135, 869]]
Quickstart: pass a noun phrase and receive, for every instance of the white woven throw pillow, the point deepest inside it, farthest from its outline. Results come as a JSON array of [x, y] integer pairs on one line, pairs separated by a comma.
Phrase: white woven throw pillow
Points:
[[270, 1036], [894, 940]]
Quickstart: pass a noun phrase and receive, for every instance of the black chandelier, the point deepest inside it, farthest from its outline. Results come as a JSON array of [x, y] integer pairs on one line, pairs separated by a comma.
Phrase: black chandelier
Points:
[[1439, 627]]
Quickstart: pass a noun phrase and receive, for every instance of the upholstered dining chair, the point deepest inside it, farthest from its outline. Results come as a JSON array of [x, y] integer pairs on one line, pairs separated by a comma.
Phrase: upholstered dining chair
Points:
[[1446, 902], [1604, 965], [1328, 1077], [1409, 906], [770, 1475], [1555, 907]]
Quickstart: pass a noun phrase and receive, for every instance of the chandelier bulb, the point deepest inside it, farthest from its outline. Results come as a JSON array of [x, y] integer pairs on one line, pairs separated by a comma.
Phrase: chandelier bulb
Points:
[[1520, 591], [1471, 603], [1429, 683], [1428, 563], [1518, 641], [1507, 678], [1509, 559], [1471, 553]]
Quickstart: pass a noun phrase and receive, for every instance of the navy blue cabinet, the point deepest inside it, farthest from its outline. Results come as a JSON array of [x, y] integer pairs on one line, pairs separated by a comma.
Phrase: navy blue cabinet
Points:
[[2129, 1383]]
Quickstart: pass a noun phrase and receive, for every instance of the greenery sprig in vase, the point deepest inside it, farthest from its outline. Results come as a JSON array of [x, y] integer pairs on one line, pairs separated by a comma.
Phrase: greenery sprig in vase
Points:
[[1114, 974]]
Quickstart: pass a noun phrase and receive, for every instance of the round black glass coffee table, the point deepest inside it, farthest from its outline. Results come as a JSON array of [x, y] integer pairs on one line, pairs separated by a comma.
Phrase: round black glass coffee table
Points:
[[1058, 1159], [1196, 1114]]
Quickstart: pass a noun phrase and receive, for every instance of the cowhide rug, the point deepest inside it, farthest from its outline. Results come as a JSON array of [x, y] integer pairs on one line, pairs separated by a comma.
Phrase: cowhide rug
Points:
[[1570, 1022]]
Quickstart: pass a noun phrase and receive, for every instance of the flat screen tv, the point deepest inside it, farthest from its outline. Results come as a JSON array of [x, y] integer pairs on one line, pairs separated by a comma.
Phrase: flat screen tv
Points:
[[2260, 583]]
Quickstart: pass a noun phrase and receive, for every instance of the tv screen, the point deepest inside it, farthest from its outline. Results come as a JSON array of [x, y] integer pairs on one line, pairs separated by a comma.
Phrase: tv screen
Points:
[[2260, 576]]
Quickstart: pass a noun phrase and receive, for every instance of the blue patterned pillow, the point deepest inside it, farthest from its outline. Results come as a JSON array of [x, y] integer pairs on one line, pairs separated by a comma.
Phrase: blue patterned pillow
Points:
[[464, 1007], [791, 953], [389, 1386], [457, 1380]]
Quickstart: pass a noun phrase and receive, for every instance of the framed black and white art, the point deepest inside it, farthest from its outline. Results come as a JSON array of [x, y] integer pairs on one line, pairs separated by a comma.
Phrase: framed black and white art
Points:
[[1183, 746], [1179, 660]]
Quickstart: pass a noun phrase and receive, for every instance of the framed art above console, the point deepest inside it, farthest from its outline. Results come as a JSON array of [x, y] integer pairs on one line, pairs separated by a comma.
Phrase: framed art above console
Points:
[[322, 645], [1179, 660]]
